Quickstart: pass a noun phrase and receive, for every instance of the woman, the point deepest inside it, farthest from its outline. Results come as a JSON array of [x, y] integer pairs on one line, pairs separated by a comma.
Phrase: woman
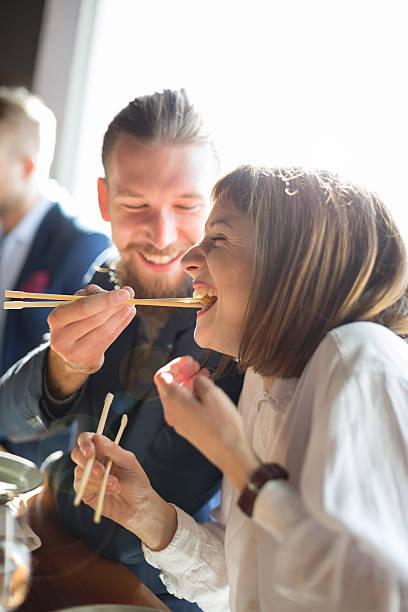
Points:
[[306, 281]]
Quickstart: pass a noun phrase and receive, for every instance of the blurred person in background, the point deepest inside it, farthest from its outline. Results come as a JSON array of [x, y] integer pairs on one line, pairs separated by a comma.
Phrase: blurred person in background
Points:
[[42, 249]]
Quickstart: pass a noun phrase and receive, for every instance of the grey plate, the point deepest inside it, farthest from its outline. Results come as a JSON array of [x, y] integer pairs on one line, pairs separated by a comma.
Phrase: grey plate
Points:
[[18, 475], [109, 608]]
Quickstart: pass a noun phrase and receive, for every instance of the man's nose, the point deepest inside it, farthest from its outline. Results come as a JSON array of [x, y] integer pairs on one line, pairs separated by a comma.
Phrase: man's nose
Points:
[[163, 230]]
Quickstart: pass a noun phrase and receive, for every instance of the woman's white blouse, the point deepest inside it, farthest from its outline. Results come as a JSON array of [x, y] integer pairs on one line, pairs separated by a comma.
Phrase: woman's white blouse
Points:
[[336, 536]]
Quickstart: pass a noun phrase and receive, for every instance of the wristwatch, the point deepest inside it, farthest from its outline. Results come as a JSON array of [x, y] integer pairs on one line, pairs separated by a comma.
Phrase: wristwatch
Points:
[[264, 473]]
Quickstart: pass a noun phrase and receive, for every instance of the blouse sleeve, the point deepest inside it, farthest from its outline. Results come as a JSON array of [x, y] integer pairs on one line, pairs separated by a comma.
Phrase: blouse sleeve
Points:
[[193, 565], [343, 537]]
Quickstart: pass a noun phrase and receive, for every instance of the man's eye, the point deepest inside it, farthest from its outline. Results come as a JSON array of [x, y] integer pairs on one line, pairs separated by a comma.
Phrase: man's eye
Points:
[[188, 207], [134, 208]]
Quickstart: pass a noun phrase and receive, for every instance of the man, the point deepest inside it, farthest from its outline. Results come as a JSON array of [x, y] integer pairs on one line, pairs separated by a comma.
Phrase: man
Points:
[[41, 248], [159, 167]]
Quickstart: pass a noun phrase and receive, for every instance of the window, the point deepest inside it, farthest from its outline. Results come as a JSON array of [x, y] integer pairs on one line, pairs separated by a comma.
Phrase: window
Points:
[[310, 82]]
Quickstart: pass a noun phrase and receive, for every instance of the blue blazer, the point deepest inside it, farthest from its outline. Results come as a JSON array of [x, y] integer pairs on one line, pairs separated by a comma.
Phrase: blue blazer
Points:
[[61, 253]]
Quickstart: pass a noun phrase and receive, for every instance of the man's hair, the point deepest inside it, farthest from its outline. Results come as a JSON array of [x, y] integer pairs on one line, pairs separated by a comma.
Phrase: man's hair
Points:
[[327, 253], [33, 124], [165, 118]]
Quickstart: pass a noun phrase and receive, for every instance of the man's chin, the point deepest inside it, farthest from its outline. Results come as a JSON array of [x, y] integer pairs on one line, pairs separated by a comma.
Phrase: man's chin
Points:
[[153, 286]]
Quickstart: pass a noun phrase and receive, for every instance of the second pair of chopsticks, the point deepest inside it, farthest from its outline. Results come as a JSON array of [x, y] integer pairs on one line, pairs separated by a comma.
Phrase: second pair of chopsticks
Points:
[[56, 299], [90, 462]]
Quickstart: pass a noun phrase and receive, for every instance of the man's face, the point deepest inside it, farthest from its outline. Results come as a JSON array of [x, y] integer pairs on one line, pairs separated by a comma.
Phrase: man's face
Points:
[[156, 199]]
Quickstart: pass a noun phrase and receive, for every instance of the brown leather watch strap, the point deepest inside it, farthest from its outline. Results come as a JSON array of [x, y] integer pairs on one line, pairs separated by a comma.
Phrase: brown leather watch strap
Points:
[[265, 472]]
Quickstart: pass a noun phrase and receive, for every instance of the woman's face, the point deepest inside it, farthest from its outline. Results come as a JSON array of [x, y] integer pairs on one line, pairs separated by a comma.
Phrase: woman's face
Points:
[[221, 267]]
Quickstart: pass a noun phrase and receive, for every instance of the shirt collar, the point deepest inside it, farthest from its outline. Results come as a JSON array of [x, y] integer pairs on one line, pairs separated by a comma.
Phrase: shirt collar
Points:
[[25, 229]]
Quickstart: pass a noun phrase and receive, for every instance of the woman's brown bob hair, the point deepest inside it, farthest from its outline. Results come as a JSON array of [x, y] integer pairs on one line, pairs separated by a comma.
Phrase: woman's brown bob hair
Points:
[[326, 253]]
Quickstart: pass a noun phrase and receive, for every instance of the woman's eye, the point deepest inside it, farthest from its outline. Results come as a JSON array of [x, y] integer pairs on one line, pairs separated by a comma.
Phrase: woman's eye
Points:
[[217, 239]]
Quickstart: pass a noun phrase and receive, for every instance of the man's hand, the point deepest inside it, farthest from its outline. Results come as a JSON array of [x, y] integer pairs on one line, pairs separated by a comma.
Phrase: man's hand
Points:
[[129, 498], [81, 332], [201, 412]]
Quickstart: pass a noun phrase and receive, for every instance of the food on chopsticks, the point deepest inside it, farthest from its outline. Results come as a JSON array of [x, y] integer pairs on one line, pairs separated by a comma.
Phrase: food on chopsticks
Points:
[[207, 296]]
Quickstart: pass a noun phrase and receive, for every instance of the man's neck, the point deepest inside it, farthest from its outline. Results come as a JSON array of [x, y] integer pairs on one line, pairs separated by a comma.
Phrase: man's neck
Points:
[[10, 218], [154, 322]]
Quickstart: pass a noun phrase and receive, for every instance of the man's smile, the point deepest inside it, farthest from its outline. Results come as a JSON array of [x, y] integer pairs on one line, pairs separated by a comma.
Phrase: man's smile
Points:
[[160, 259]]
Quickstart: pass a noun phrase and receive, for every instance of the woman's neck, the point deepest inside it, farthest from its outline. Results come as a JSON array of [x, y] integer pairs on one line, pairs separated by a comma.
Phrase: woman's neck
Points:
[[268, 382]]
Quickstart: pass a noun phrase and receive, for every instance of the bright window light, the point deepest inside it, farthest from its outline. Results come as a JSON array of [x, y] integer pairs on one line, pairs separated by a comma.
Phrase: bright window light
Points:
[[314, 83]]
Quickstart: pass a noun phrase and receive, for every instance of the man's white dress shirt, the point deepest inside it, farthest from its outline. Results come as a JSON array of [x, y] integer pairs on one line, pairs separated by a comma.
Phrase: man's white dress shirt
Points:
[[336, 536], [14, 248]]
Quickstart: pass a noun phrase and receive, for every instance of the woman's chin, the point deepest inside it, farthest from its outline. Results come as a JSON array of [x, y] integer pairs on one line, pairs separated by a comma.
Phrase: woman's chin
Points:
[[204, 341]]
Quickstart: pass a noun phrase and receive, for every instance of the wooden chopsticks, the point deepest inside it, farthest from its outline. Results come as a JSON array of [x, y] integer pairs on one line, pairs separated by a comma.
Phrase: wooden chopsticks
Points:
[[90, 462], [58, 299], [101, 496]]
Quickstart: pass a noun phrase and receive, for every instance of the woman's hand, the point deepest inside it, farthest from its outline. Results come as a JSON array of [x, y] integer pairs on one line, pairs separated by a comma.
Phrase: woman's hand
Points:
[[129, 498], [201, 412]]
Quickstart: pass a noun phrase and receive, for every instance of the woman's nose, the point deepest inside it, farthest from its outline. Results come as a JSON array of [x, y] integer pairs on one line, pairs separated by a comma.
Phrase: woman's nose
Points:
[[193, 259]]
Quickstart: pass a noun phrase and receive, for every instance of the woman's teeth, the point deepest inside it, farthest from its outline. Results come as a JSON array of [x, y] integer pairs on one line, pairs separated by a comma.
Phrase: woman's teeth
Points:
[[206, 295]]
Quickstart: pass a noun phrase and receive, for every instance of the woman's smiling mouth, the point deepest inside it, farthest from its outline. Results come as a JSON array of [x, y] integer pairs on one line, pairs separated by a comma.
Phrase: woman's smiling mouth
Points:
[[207, 296]]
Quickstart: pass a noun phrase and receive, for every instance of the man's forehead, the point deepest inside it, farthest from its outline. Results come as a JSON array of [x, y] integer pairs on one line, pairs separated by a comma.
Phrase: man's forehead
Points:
[[127, 145], [135, 167]]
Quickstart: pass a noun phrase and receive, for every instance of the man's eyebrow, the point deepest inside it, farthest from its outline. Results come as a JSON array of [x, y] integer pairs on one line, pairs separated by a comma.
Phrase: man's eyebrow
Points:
[[190, 196], [182, 196], [128, 194]]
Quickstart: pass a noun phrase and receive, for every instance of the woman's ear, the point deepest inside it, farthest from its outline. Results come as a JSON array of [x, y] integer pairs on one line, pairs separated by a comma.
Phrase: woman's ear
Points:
[[103, 199]]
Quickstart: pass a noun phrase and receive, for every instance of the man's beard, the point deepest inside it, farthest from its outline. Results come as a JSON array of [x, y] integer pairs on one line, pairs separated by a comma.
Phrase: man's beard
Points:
[[158, 287]]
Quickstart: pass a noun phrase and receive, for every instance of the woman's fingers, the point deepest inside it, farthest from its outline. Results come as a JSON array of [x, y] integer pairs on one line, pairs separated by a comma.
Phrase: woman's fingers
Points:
[[90, 447], [121, 458], [188, 383], [205, 389], [170, 387], [181, 368], [102, 449], [84, 452], [176, 401], [94, 482], [85, 448]]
